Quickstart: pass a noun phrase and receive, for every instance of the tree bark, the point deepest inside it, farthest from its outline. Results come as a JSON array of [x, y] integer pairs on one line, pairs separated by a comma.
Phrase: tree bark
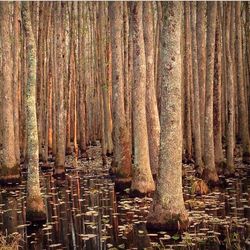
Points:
[[168, 210], [142, 180], [9, 170], [153, 123], [210, 173], [35, 209]]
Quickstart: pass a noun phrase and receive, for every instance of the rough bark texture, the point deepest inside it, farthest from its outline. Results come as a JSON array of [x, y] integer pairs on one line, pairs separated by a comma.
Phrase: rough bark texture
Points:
[[142, 180], [230, 94], [9, 170], [35, 208], [201, 57], [168, 210], [197, 132], [60, 120], [122, 153], [153, 123], [218, 153], [209, 172], [241, 90]]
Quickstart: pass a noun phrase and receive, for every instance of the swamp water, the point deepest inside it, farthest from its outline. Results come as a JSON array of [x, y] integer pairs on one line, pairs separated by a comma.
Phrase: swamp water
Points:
[[85, 212]]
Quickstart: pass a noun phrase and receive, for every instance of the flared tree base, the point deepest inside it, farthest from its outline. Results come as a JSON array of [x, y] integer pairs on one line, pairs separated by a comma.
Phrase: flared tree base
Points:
[[210, 176], [160, 219], [122, 184], [59, 172], [142, 186], [35, 211]]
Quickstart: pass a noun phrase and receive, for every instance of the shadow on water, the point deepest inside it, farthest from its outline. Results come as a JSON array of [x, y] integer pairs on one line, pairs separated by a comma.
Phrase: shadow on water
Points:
[[85, 212]]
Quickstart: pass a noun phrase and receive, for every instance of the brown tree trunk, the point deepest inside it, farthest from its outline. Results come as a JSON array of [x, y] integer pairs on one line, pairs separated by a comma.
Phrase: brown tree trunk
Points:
[[218, 153], [122, 154], [241, 90], [168, 211], [59, 97], [201, 57], [142, 180], [197, 132], [153, 123], [210, 173], [9, 170]]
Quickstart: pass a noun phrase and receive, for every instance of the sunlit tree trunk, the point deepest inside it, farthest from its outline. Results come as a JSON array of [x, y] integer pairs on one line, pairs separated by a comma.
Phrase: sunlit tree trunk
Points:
[[9, 169], [168, 210], [142, 180], [122, 154], [35, 209]]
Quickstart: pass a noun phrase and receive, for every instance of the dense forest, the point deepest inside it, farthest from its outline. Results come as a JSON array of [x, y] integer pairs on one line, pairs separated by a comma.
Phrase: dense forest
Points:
[[124, 125]]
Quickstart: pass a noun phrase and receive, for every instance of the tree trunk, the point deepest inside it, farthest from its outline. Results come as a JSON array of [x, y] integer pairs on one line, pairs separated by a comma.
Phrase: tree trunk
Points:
[[201, 57], [35, 209], [9, 170], [241, 90], [209, 172], [153, 123], [168, 210], [197, 132], [59, 97], [122, 155], [142, 180]]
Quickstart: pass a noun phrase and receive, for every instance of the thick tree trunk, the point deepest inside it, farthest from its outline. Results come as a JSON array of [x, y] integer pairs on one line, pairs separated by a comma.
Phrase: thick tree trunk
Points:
[[122, 154], [35, 209], [209, 172], [241, 90], [9, 169], [168, 210], [153, 123], [142, 180]]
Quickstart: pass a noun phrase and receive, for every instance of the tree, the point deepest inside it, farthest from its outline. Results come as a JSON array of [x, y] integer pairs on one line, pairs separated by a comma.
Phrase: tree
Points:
[[60, 115], [35, 209], [210, 173], [9, 169], [142, 180], [243, 118], [168, 210], [122, 153], [201, 57], [197, 132], [153, 123], [230, 95]]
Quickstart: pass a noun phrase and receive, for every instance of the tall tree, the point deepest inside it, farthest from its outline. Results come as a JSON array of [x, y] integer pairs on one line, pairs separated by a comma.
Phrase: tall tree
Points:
[[201, 57], [230, 135], [35, 209], [168, 210], [210, 173], [9, 169], [197, 132], [60, 115], [142, 180], [243, 118], [218, 153], [153, 123], [122, 151]]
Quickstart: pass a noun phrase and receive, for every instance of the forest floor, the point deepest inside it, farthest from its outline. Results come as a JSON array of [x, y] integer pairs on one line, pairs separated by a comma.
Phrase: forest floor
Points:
[[85, 212]]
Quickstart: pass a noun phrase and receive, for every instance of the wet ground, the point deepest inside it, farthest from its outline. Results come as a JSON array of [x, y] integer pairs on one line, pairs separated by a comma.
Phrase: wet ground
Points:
[[85, 212]]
